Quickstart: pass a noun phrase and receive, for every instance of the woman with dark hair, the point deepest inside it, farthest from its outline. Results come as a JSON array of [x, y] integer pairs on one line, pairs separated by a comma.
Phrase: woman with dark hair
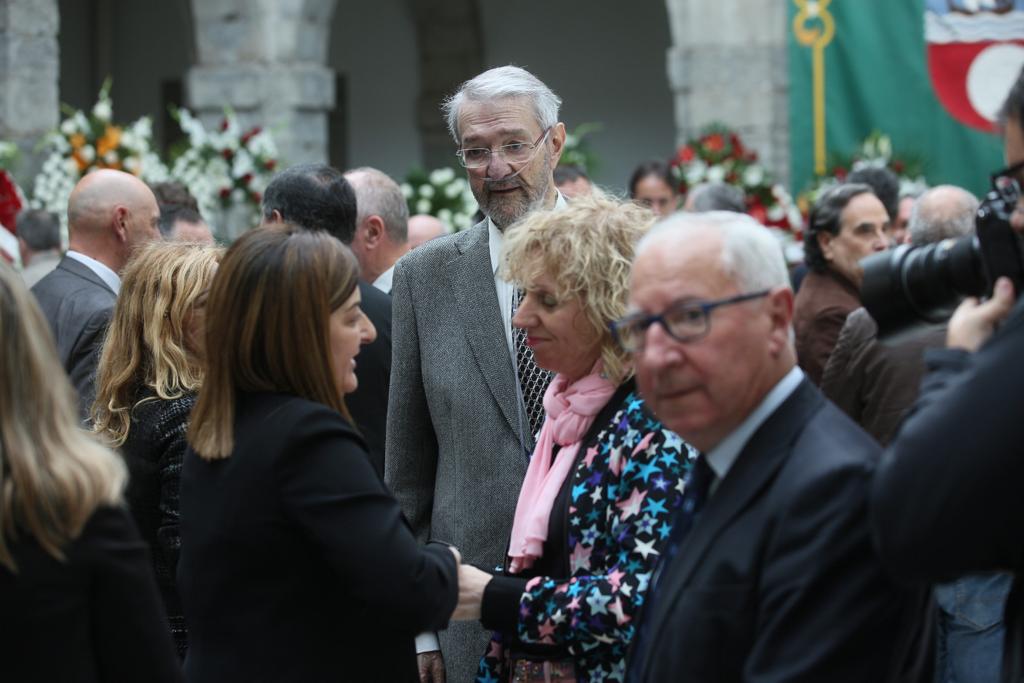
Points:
[[77, 596], [296, 562], [146, 382], [652, 185]]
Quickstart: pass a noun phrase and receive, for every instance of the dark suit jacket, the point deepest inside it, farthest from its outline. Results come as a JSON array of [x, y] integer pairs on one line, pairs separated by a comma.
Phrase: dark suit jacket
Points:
[[78, 306], [94, 617], [778, 580], [368, 404], [296, 563], [875, 381], [820, 309], [948, 499]]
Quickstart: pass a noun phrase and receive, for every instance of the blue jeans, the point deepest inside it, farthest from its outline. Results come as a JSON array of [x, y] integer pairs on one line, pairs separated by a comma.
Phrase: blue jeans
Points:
[[970, 633]]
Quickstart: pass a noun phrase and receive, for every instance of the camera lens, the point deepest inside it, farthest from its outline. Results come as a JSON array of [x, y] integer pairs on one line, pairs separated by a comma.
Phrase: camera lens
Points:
[[921, 284]]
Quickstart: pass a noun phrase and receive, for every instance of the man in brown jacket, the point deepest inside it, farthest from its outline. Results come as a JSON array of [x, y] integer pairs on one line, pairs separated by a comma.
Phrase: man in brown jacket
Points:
[[875, 382], [848, 223]]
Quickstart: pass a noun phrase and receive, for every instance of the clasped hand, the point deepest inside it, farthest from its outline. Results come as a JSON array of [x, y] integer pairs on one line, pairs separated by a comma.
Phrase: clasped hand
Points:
[[472, 582]]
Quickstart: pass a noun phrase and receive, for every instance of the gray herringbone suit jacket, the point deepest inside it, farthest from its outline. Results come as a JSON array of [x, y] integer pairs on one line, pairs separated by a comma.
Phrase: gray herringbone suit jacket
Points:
[[456, 456], [78, 305]]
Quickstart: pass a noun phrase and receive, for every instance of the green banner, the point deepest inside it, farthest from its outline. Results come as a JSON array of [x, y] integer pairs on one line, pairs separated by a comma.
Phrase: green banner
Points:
[[857, 66]]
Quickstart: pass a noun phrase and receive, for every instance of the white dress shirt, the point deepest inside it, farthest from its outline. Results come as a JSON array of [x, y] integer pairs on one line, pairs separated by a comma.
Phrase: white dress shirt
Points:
[[383, 282], [505, 289], [109, 277], [721, 457]]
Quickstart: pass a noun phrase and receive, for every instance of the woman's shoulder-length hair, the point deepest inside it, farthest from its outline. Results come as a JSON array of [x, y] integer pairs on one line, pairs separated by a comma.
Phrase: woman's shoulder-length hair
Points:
[[587, 249], [146, 342], [268, 327], [53, 474]]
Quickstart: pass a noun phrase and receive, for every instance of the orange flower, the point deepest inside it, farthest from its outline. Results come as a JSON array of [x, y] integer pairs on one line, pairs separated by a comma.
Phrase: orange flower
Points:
[[110, 140], [77, 141], [79, 161]]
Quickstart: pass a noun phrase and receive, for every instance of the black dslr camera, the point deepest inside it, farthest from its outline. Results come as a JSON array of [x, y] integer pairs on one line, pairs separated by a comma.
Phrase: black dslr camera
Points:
[[912, 285]]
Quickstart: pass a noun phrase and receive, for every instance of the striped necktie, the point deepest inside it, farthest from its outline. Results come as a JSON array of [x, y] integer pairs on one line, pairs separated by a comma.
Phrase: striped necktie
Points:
[[533, 380]]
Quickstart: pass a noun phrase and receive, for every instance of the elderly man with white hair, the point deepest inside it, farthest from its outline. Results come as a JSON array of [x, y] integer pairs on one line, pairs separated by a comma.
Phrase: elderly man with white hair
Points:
[[769, 573], [466, 394]]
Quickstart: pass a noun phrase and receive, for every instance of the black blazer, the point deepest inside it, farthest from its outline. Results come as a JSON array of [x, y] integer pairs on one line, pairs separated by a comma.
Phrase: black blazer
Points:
[[95, 617], [368, 404], [78, 306], [296, 562], [948, 498], [778, 580], [153, 451]]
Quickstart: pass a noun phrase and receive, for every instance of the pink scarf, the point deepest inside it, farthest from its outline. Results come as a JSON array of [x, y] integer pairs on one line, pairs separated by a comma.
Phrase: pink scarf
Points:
[[570, 409]]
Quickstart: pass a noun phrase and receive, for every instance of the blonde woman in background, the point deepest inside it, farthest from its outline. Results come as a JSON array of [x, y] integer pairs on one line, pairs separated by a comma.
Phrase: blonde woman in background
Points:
[[149, 372], [77, 596]]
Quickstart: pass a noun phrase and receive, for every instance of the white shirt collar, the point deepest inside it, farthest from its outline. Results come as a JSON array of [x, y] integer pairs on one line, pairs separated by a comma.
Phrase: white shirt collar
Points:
[[383, 282], [496, 238], [722, 456], [109, 277]]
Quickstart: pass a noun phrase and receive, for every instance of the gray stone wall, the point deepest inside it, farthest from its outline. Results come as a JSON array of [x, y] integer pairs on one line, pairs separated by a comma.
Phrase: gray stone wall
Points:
[[728, 64], [29, 68], [265, 60]]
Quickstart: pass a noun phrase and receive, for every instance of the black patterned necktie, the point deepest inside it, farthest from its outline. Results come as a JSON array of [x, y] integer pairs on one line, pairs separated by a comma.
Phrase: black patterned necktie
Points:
[[533, 380], [695, 494]]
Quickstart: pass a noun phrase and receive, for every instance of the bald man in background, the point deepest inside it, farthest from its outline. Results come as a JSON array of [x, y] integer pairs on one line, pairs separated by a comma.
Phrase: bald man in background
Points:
[[423, 228], [110, 213]]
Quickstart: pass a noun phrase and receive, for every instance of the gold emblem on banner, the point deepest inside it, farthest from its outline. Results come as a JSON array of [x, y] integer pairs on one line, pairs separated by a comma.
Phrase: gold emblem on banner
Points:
[[814, 27]]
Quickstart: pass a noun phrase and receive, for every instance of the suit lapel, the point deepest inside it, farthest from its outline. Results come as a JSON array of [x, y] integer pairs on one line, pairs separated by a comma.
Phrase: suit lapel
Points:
[[753, 471], [83, 271], [472, 283]]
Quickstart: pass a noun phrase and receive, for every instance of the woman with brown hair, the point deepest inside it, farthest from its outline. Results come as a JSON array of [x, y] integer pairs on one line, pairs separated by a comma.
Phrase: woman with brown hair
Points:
[[76, 590], [149, 372], [296, 562]]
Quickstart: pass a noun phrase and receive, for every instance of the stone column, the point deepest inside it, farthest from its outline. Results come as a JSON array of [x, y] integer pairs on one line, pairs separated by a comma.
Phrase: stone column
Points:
[[265, 60], [451, 52], [728, 64], [29, 74]]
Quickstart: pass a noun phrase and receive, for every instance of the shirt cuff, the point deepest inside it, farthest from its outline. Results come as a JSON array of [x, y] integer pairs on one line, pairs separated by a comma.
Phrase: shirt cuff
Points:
[[427, 642], [499, 610]]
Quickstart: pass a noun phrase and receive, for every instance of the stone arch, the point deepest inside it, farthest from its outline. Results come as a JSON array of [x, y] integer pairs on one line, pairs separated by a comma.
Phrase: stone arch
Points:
[[265, 59]]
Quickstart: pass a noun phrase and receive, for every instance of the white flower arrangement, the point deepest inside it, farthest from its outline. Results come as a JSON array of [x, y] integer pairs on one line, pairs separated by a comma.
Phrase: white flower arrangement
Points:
[[227, 167], [442, 193]]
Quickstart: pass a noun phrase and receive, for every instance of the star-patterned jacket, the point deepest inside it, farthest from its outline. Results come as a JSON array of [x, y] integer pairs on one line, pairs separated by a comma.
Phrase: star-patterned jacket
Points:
[[625, 488]]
